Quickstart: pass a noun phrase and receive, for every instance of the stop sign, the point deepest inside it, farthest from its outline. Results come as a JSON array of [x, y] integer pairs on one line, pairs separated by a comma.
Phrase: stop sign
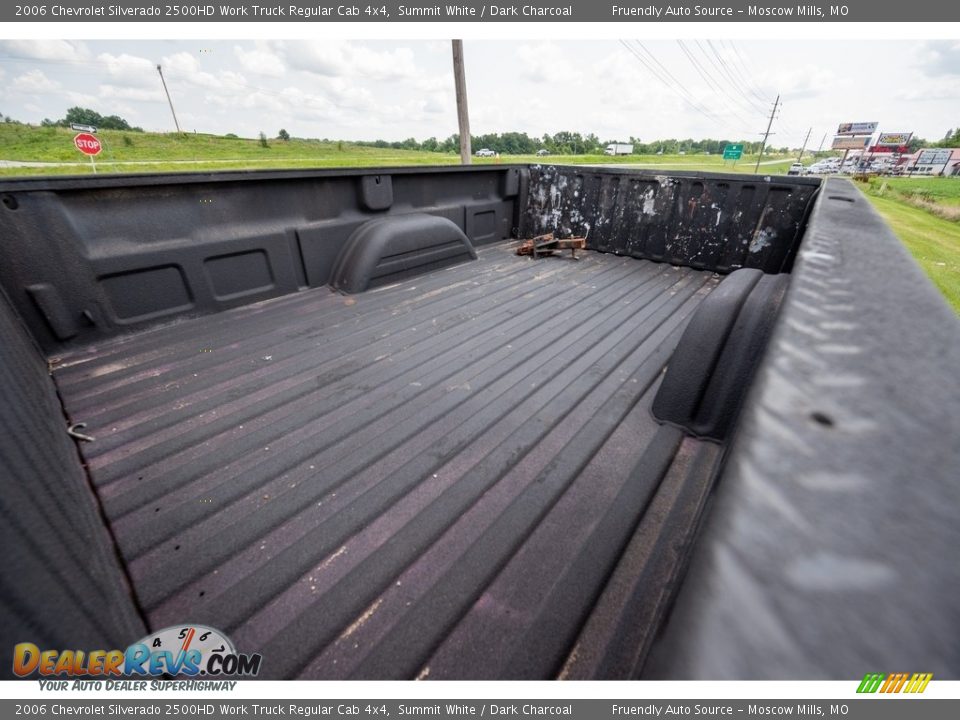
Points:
[[87, 144]]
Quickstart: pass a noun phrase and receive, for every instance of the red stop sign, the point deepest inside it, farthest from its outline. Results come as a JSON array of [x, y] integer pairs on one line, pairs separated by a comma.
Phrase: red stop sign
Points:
[[87, 144]]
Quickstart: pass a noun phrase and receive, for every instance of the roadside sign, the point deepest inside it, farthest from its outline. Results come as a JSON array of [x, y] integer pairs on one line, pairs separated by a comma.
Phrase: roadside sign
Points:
[[733, 152], [858, 128], [87, 144], [934, 156], [850, 143], [79, 127], [894, 139]]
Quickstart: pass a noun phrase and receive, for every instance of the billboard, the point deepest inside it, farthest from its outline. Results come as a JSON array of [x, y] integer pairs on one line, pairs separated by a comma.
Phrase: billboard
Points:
[[850, 143], [894, 139], [859, 128], [934, 156]]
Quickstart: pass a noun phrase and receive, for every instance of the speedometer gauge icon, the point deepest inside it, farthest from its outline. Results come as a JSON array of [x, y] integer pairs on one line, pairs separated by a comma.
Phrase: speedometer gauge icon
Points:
[[178, 640]]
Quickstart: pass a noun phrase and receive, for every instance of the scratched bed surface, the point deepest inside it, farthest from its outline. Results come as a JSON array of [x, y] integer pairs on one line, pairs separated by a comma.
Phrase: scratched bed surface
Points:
[[453, 477]]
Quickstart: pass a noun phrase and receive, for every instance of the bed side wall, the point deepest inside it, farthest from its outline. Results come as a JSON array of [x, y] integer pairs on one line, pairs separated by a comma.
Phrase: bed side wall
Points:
[[61, 585]]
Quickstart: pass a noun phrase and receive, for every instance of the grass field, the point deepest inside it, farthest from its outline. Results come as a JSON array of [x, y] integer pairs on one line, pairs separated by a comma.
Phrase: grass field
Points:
[[932, 240], [128, 152], [938, 189]]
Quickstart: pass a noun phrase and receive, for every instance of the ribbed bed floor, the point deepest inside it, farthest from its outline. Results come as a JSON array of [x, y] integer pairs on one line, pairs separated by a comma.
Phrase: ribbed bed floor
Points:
[[453, 477]]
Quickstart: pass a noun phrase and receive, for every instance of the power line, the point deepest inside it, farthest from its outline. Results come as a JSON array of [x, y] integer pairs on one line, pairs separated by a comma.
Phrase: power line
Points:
[[698, 68], [653, 72], [725, 68], [710, 81], [666, 71], [744, 72], [679, 85]]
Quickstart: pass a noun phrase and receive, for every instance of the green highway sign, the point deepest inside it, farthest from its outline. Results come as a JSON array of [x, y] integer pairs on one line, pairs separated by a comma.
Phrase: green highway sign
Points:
[[733, 152]]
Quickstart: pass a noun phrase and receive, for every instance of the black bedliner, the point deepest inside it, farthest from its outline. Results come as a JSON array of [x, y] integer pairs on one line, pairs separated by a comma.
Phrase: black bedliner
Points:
[[401, 482], [457, 473]]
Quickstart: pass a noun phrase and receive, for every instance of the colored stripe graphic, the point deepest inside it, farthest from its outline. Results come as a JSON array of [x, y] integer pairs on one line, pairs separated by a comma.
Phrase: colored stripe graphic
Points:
[[918, 683], [894, 682], [870, 683]]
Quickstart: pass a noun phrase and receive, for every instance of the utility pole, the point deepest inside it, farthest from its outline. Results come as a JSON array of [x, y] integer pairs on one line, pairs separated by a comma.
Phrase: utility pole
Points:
[[822, 141], [805, 141], [763, 146], [160, 70], [463, 116]]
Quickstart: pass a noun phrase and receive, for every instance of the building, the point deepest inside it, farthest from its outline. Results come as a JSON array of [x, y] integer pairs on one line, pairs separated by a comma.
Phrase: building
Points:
[[934, 161]]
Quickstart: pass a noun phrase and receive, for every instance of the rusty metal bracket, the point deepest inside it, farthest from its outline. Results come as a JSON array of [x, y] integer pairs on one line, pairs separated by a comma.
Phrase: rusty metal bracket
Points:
[[543, 245]]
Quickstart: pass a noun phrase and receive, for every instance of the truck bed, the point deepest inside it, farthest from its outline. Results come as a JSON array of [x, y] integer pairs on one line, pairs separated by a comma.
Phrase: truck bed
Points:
[[337, 419], [457, 475]]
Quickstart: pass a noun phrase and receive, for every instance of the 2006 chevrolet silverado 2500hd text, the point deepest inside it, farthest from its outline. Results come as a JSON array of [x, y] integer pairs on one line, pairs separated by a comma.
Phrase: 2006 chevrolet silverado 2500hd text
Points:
[[335, 416]]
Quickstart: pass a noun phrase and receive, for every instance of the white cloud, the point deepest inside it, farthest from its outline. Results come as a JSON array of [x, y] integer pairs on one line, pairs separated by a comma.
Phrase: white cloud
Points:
[[260, 61], [125, 109], [940, 57], [253, 100], [130, 70], [340, 58], [184, 67], [61, 50], [437, 103], [181, 63], [930, 90], [34, 82], [119, 92], [82, 99], [802, 81], [434, 83], [546, 62]]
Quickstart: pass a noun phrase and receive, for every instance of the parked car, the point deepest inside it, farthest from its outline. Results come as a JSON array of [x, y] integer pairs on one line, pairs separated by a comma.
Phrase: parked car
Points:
[[542, 152], [824, 167], [484, 152], [796, 169]]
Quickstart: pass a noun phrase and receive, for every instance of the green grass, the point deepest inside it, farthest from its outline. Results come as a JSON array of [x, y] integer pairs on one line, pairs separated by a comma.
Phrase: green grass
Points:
[[133, 152], [706, 163], [944, 190], [163, 152], [933, 241], [938, 196]]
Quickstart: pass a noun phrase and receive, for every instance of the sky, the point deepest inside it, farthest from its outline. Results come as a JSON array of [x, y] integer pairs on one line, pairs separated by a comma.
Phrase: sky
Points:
[[367, 90]]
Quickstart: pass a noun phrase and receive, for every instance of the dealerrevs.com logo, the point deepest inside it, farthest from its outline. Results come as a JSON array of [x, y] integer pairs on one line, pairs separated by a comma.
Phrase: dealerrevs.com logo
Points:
[[180, 650]]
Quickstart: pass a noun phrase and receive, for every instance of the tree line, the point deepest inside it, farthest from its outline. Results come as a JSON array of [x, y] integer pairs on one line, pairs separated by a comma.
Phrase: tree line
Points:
[[951, 139], [565, 142], [86, 116]]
